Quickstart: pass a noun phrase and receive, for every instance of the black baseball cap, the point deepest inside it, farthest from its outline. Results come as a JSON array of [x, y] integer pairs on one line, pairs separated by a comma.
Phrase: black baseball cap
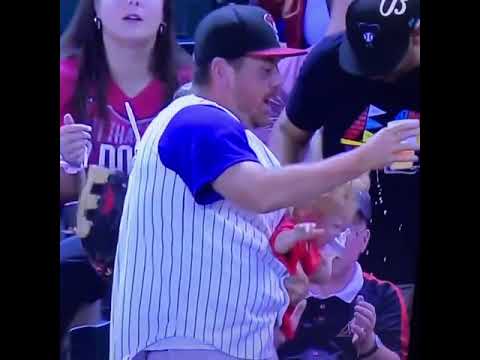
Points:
[[234, 31], [377, 35]]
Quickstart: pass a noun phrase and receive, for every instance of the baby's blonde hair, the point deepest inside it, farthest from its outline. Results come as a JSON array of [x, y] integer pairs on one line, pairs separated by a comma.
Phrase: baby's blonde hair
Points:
[[341, 201]]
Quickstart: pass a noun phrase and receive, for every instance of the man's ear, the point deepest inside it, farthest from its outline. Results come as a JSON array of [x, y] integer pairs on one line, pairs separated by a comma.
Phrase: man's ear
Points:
[[221, 70], [365, 240]]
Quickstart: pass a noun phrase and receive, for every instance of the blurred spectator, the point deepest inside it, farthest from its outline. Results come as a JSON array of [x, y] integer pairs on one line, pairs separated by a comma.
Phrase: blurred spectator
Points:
[[304, 23], [354, 315]]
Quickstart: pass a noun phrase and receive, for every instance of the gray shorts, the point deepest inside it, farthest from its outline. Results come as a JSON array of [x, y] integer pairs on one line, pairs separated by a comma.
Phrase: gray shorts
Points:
[[186, 355]]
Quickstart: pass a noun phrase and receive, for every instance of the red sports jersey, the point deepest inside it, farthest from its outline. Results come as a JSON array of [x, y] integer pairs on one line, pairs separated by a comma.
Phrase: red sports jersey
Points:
[[304, 252], [114, 149]]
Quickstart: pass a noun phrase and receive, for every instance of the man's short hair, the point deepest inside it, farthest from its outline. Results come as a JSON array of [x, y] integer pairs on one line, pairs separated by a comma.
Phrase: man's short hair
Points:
[[201, 74], [364, 206]]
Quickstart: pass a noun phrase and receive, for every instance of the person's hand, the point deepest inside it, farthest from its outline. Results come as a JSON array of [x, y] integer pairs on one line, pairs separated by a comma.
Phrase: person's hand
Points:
[[75, 141], [297, 286], [288, 239], [279, 337], [309, 230], [363, 325], [388, 145]]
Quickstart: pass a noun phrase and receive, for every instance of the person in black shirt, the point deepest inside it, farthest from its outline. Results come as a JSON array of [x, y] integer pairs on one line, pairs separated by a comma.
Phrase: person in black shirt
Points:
[[350, 86], [354, 315]]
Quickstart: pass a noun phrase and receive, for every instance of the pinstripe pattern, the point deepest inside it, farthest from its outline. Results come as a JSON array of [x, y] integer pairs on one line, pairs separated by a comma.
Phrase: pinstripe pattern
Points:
[[182, 269]]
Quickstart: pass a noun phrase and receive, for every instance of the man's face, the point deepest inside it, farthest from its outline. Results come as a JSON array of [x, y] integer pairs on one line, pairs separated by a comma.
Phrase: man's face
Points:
[[256, 82], [355, 244]]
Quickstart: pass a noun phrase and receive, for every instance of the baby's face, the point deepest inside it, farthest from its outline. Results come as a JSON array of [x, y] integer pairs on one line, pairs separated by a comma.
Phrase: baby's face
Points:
[[333, 227], [332, 224]]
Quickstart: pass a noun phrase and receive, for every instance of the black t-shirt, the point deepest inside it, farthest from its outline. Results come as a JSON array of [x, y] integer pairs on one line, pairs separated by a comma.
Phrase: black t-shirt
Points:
[[351, 109], [324, 331]]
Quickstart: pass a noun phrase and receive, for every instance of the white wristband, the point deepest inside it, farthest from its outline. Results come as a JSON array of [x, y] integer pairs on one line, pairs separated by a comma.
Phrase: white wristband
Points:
[[70, 169]]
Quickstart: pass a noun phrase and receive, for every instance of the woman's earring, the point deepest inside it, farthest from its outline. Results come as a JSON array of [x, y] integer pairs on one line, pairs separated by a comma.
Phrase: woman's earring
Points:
[[162, 28], [98, 23]]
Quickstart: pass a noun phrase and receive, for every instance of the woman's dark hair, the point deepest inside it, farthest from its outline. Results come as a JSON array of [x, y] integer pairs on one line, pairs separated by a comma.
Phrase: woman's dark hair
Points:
[[83, 39]]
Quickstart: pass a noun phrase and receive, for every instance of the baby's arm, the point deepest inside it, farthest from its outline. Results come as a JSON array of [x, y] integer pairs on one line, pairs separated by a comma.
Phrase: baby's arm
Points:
[[288, 238], [286, 241]]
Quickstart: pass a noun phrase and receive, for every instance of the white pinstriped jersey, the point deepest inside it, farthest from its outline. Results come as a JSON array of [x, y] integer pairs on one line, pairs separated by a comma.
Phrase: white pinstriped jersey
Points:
[[202, 272]]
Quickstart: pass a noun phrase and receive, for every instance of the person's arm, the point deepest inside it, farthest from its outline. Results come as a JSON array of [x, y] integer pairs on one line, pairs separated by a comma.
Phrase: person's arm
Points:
[[242, 183], [382, 353], [287, 141], [278, 336], [392, 325], [388, 322], [296, 184], [293, 244], [338, 10], [70, 185], [74, 146], [210, 152], [288, 238], [73, 137], [309, 105]]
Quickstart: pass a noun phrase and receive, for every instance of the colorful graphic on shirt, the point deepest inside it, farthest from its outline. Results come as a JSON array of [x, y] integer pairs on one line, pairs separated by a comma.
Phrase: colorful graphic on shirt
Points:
[[346, 331], [371, 120]]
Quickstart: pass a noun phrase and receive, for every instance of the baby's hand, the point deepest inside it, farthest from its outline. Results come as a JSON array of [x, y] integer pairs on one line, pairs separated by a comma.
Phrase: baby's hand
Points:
[[303, 231], [306, 231]]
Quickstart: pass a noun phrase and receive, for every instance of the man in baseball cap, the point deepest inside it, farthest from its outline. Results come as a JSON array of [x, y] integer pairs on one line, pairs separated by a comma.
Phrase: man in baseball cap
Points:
[[236, 31], [194, 270], [378, 35], [351, 86], [242, 35]]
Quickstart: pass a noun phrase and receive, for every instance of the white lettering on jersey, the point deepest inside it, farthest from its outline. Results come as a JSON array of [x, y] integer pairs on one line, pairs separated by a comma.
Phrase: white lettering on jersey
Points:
[[393, 8], [120, 158]]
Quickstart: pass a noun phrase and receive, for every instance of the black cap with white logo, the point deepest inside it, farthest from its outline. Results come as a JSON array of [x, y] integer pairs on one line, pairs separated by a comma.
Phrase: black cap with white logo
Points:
[[234, 31], [377, 35]]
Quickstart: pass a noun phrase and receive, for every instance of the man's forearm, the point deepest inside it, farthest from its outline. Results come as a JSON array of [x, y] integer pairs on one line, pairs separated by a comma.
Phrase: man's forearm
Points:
[[287, 149], [382, 353], [338, 9], [297, 184]]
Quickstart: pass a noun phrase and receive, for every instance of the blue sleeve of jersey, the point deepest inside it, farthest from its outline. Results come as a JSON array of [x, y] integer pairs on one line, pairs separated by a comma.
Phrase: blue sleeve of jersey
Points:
[[199, 144]]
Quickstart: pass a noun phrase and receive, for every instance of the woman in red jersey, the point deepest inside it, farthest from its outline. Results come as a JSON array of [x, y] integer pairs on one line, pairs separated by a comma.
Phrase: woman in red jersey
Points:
[[113, 53], [119, 66]]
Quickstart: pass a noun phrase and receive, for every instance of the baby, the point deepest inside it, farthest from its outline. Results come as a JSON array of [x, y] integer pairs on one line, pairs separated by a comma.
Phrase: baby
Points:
[[313, 235]]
